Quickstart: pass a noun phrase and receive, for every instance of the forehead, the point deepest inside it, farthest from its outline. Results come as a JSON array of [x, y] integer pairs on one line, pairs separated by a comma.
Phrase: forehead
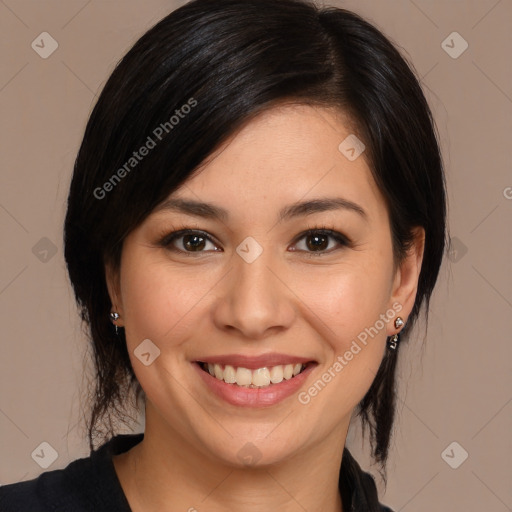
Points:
[[285, 154]]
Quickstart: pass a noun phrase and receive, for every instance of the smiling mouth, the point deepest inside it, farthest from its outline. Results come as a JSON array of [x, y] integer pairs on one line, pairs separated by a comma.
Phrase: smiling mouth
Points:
[[257, 378]]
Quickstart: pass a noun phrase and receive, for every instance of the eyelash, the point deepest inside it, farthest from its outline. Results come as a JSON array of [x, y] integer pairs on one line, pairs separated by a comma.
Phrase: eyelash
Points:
[[321, 230]]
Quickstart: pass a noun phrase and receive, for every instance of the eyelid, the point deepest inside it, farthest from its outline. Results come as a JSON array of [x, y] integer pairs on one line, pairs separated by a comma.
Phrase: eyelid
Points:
[[322, 228]]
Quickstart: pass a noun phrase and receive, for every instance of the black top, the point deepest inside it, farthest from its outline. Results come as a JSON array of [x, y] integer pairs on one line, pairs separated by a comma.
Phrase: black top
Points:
[[91, 485]]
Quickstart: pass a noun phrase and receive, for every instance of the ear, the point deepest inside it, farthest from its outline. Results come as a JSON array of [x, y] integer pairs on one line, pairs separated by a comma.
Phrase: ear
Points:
[[114, 290], [405, 283]]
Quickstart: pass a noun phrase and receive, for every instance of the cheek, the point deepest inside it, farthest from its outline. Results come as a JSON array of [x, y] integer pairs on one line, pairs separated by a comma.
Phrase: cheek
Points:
[[158, 301], [350, 302], [348, 299]]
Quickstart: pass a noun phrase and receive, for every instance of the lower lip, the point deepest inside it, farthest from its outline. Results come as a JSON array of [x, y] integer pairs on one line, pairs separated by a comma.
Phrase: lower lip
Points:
[[254, 397]]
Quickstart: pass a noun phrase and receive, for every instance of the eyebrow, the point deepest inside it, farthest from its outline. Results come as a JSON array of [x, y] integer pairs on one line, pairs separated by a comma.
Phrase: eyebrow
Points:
[[210, 211]]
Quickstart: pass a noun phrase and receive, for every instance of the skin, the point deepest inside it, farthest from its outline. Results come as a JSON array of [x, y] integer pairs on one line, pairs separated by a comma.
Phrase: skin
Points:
[[289, 301]]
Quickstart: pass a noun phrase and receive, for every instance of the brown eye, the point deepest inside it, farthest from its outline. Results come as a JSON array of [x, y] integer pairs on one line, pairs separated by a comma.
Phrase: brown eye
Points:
[[321, 241], [317, 242], [188, 241], [193, 242]]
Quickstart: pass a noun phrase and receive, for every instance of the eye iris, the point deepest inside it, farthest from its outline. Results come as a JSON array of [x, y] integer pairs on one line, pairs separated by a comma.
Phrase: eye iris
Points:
[[319, 242], [193, 242]]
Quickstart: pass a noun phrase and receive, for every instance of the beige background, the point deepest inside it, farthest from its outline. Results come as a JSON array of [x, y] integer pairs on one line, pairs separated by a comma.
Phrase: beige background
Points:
[[457, 389]]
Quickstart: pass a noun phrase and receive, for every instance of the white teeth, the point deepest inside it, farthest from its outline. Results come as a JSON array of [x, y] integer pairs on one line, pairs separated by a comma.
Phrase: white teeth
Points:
[[219, 374], [276, 374], [261, 377], [258, 378], [243, 377], [229, 374]]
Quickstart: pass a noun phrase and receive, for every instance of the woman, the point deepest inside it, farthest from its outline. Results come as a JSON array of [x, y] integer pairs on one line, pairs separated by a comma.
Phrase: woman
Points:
[[256, 218]]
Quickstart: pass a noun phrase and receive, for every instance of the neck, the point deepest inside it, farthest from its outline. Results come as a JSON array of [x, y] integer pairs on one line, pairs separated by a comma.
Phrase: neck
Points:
[[166, 472]]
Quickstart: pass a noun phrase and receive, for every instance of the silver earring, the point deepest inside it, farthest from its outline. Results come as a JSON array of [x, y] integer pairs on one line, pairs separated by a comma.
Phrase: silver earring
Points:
[[114, 315], [393, 340]]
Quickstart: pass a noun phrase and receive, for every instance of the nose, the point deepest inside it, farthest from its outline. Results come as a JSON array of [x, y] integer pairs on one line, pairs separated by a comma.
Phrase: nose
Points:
[[255, 301]]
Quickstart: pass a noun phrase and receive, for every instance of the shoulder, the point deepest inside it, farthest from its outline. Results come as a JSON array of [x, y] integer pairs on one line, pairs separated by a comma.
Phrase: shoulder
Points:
[[21, 496], [87, 484], [50, 491]]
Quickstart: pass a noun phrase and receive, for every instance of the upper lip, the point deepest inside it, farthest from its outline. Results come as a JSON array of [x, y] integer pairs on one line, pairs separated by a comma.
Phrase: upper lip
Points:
[[254, 362]]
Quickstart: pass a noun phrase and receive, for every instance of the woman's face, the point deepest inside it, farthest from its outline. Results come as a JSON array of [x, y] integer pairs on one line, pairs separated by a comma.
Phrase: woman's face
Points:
[[250, 292]]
